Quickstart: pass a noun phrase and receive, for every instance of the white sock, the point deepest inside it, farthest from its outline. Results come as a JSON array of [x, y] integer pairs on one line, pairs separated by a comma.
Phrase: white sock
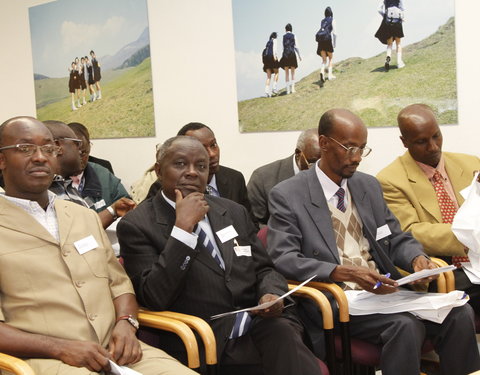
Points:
[[274, 86], [292, 83], [322, 68], [267, 89], [288, 87], [389, 51]]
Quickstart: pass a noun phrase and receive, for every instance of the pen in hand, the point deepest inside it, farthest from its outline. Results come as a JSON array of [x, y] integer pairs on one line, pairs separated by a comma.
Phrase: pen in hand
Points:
[[379, 283]]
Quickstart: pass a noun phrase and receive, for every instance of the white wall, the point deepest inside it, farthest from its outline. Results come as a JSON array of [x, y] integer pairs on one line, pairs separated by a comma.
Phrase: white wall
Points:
[[194, 80]]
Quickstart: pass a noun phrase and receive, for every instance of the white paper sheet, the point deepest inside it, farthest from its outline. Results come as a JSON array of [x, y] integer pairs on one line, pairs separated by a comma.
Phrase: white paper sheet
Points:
[[265, 305], [121, 370], [424, 273]]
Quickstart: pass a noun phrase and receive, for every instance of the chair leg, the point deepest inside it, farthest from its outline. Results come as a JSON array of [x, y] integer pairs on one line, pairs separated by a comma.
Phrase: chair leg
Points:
[[346, 348]]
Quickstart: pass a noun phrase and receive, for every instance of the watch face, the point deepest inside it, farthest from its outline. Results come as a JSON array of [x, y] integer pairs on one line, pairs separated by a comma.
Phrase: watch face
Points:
[[134, 322]]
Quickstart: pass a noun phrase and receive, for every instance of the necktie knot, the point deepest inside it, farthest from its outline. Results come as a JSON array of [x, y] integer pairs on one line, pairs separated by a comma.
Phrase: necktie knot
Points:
[[341, 199], [212, 191]]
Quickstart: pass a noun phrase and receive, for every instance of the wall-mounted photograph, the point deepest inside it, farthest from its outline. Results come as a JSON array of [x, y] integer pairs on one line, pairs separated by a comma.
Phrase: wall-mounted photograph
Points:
[[373, 57], [91, 62]]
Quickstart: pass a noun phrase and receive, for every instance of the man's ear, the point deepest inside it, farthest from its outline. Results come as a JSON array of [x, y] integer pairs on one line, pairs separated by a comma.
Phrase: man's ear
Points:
[[157, 170], [404, 142], [2, 161], [323, 141]]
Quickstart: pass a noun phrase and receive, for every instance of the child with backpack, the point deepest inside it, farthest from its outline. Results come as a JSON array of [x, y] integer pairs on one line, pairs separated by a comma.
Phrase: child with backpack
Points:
[[391, 29], [288, 62], [270, 64], [326, 39]]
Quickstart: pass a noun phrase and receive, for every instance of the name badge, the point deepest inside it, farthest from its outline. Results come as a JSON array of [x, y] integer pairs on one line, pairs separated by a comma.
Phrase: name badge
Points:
[[99, 204], [243, 251], [227, 233], [383, 232], [85, 244]]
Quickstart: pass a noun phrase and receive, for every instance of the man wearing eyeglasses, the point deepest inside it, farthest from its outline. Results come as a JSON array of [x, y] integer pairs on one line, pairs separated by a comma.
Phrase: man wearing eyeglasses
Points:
[[331, 221], [67, 306], [263, 179]]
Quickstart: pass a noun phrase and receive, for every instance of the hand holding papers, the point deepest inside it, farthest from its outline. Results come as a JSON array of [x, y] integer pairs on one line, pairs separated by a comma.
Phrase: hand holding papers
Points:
[[265, 305], [423, 274]]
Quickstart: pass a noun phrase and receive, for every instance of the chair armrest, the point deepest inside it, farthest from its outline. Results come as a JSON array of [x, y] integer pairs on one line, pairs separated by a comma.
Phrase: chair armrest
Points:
[[449, 275], [15, 365], [148, 319], [201, 327], [337, 293], [319, 298]]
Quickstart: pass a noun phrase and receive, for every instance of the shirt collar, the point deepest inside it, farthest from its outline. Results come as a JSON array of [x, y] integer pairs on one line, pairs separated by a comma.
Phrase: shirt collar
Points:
[[329, 187], [213, 182], [430, 171], [27, 203], [295, 165], [169, 201]]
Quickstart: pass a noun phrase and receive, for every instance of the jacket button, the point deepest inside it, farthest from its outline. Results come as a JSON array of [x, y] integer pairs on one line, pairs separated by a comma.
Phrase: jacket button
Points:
[[316, 252], [92, 317], [228, 279], [79, 284], [386, 242]]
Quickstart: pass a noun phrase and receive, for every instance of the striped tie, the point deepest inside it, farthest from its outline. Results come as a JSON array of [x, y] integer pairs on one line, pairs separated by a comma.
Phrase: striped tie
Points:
[[242, 319], [341, 199]]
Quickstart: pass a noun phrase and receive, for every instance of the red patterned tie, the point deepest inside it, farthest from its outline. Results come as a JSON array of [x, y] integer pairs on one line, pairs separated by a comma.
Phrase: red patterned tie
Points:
[[447, 209]]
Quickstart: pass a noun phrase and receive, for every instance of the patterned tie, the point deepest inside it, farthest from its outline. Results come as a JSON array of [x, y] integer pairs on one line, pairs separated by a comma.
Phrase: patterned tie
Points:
[[242, 319], [341, 199], [212, 191], [447, 209]]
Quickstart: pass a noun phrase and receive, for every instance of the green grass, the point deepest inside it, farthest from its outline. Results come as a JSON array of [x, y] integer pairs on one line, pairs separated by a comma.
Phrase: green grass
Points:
[[125, 110], [364, 87]]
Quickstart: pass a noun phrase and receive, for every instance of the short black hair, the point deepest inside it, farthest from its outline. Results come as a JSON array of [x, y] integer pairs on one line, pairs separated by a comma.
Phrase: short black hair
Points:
[[325, 125], [328, 12], [273, 35], [288, 27], [80, 129], [192, 126]]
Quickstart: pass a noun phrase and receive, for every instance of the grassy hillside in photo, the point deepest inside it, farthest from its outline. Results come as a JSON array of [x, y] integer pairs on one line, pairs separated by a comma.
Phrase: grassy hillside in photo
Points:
[[363, 86], [125, 110]]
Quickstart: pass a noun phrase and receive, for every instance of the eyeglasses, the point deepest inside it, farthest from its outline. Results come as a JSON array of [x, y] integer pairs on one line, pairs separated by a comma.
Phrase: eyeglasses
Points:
[[352, 151], [28, 149], [77, 141], [308, 163]]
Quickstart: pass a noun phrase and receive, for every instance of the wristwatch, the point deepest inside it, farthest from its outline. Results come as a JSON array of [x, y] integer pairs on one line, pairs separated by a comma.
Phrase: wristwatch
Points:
[[112, 212], [130, 319]]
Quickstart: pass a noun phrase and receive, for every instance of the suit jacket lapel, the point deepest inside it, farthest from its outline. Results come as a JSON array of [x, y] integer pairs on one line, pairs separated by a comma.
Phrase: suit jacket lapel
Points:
[[17, 219], [457, 176], [422, 186], [320, 212], [222, 183], [65, 220], [362, 203]]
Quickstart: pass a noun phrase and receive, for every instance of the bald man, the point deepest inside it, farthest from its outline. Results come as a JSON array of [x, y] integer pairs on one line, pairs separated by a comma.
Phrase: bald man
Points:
[[264, 178], [67, 306], [408, 185], [332, 221]]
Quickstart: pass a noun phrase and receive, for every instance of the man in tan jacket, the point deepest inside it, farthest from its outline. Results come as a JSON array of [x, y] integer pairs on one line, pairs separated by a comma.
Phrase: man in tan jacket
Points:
[[66, 305]]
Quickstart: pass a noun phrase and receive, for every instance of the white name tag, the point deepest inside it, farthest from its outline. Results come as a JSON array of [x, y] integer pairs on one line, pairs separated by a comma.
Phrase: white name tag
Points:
[[243, 251], [227, 233], [99, 204], [85, 244], [383, 232]]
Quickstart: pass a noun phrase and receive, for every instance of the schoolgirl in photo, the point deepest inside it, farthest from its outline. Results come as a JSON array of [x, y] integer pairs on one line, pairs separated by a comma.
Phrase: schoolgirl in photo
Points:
[[83, 83], [271, 65], [326, 38], [73, 83], [90, 79], [96, 74], [288, 62], [391, 29]]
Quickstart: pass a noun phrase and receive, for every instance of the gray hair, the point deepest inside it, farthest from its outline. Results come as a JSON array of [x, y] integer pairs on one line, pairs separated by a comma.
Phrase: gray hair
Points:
[[305, 136]]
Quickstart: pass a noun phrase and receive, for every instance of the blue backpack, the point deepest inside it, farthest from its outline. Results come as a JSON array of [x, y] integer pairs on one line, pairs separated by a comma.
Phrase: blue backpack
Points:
[[267, 51], [325, 32]]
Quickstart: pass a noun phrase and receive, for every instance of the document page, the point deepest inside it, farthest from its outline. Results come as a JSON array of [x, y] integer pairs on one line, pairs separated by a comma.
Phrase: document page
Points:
[[424, 273]]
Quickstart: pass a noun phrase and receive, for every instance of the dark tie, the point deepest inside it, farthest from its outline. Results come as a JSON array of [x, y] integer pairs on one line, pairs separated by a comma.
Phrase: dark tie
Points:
[[341, 199], [212, 191], [242, 319]]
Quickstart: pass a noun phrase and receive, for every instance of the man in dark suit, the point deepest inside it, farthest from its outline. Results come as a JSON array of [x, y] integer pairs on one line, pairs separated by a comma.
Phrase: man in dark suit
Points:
[[350, 237], [198, 254], [263, 179], [222, 181]]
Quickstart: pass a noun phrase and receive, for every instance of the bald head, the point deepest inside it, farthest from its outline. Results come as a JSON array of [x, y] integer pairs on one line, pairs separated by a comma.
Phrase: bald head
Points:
[[421, 134], [343, 138], [28, 172], [307, 151]]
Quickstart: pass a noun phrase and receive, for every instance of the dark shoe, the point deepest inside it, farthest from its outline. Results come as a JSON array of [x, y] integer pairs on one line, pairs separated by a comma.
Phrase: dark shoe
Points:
[[322, 79], [387, 64]]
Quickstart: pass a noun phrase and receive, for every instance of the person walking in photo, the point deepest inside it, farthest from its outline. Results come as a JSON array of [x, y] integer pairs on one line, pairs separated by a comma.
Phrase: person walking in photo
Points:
[[326, 39], [72, 84], [90, 80], [96, 74], [83, 84], [270, 64], [288, 62], [77, 82], [391, 29]]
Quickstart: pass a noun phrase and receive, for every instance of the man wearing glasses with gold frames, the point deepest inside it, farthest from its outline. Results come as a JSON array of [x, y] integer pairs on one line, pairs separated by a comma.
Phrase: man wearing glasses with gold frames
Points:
[[332, 221]]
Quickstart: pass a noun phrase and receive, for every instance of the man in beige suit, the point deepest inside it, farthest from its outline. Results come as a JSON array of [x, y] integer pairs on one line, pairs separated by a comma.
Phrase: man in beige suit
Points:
[[408, 187], [66, 305]]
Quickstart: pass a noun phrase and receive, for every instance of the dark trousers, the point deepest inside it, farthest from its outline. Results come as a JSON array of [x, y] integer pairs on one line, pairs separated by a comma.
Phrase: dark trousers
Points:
[[401, 336], [271, 346]]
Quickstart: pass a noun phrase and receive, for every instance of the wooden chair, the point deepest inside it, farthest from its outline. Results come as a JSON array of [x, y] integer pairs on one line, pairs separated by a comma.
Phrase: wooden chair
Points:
[[19, 367]]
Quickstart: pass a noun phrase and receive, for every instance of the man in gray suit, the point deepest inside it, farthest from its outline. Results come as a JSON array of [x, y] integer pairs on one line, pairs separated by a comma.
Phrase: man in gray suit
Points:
[[333, 222], [264, 178]]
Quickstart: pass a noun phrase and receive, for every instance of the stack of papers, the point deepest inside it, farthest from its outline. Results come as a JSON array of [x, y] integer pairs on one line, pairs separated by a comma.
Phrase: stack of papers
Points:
[[429, 306], [424, 273], [121, 370]]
